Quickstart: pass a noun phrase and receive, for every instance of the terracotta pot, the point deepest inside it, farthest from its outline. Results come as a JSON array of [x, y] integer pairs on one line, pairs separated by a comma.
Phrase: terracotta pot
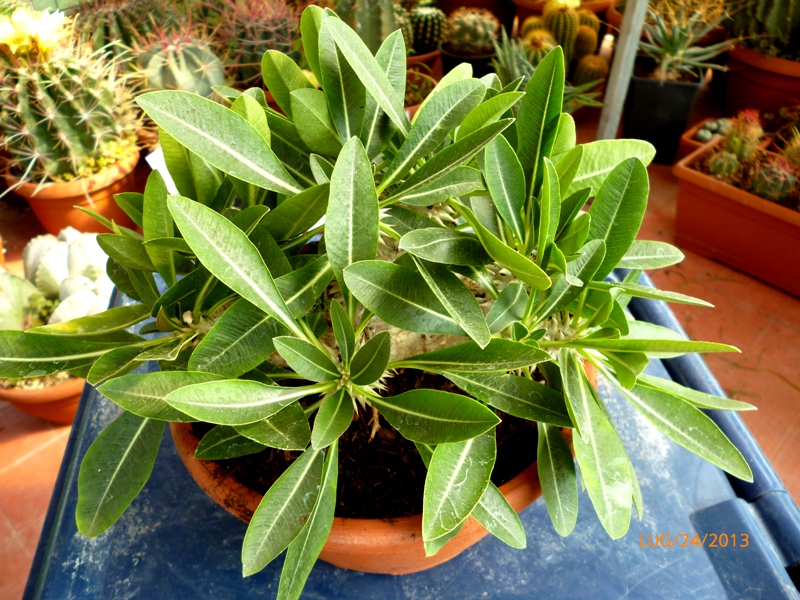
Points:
[[481, 65], [501, 9], [759, 81], [431, 60], [745, 231], [688, 144], [528, 8], [56, 403], [54, 203], [392, 547]]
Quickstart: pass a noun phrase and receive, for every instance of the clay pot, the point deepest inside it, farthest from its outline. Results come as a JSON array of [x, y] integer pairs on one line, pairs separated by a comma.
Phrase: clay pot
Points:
[[528, 8], [392, 547], [432, 62], [54, 203], [481, 65], [56, 403], [759, 81], [740, 229], [688, 144]]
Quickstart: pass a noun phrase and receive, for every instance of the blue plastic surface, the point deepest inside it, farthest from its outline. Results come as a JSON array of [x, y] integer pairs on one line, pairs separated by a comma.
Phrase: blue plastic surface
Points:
[[175, 542]]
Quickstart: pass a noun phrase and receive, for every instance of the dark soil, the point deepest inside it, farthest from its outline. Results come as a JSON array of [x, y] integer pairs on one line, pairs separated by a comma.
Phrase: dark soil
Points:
[[385, 477]]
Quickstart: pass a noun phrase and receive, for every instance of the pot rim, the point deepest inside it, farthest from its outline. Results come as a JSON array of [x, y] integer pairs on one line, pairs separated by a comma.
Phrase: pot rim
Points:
[[421, 58], [65, 389], [759, 60]]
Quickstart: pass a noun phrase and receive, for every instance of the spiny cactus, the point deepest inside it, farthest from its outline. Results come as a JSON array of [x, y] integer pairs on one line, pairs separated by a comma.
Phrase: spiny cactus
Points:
[[251, 27], [402, 21], [538, 43], [774, 179], [792, 150], [429, 28], [745, 135], [472, 31], [771, 26], [724, 165], [179, 60], [590, 68], [585, 42], [530, 24], [372, 20], [590, 19], [562, 22]]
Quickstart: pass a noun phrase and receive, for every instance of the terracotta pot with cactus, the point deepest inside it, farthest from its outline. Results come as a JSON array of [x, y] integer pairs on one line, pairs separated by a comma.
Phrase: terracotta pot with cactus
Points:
[[471, 33], [740, 204]]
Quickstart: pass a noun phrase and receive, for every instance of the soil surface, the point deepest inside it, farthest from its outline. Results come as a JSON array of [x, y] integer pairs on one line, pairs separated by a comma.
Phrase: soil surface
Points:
[[35, 383], [384, 477]]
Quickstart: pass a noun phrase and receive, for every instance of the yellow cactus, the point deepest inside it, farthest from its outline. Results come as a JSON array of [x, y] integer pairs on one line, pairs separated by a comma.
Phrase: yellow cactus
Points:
[[28, 30]]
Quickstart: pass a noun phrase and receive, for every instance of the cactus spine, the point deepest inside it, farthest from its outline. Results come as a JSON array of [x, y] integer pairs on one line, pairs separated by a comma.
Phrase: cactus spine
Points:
[[429, 28], [792, 150], [562, 22], [372, 20], [531, 24], [472, 31], [590, 68], [774, 180], [588, 18], [538, 43], [402, 21], [585, 42]]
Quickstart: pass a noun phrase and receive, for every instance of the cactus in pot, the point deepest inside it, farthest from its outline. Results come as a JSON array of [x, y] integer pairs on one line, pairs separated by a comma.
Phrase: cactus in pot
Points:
[[590, 19], [530, 24], [744, 135], [774, 179], [471, 31], [585, 42], [538, 43], [429, 25], [724, 165], [590, 68], [562, 21]]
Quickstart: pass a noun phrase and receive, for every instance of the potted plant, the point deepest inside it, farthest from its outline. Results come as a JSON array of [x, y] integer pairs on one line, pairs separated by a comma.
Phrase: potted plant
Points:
[[526, 9], [739, 203], [667, 80], [429, 26], [456, 279], [471, 33], [54, 159], [670, 10], [764, 69], [64, 280]]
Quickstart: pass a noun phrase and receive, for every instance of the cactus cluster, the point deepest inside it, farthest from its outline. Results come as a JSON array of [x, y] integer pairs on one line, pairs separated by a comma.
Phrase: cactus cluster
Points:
[[402, 22], [591, 67], [562, 21], [532, 23], [724, 164], [538, 43], [745, 135], [589, 19], [472, 31], [713, 128], [429, 25]]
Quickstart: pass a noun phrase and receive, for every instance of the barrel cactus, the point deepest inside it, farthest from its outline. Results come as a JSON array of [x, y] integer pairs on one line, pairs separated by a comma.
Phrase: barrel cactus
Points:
[[472, 31], [590, 19], [562, 21], [530, 24], [372, 20], [402, 21], [585, 42], [775, 179], [429, 28], [770, 26], [590, 68], [538, 43], [723, 165]]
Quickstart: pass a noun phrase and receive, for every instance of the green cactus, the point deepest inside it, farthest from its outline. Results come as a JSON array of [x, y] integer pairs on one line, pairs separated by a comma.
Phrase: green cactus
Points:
[[429, 28], [744, 135], [724, 165], [585, 42], [472, 31], [590, 68], [771, 26], [774, 179], [530, 24], [562, 22], [64, 115], [181, 60], [402, 21], [538, 43], [792, 150], [372, 20], [590, 19]]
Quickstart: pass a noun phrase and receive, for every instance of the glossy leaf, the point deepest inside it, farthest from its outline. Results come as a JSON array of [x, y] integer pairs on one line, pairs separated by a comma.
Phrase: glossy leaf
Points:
[[114, 364], [499, 355], [558, 479], [371, 360], [568, 166], [29, 355], [343, 331], [303, 287], [462, 181], [287, 429], [645, 291], [582, 270], [566, 138], [602, 156], [549, 210], [489, 111], [509, 307], [499, 518], [113, 319], [506, 182], [699, 399], [282, 76], [310, 108], [310, 25], [251, 111], [650, 255], [439, 245], [157, 223], [225, 442], [306, 359], [333, 418], [378, 129], [127, 251]]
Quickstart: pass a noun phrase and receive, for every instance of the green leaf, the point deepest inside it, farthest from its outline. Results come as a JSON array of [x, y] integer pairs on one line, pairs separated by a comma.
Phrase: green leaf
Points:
[[650, 255], [236, 401], [111, 320], [499, 355], [310, 108], [568, 166], [570, 207], [220, 136], [558, 479], [645, 291], [157, 223], [601, 456], [371, 360], [462, 71], [287, 429], [351, 223], [499, 518], [310, 25], [458, 475], [581, 269], [333, 418], [251, 111], [343, 332], [462, 181], [439, 245], [515, 395], [443, 113], [225, 251], [566, 138], [506, 182], [509, 307], [539, 113], [457, 300], [289, 148], [284, 510], [602, 156], [400, 297], [114, 470], [225, 442], [575, 235], [132, 203], [306, 547], [113, 364], [238, 342], [127, 251], [617, 211], [694, 397], [521, 266], [378, 129], [34, 355], [321, 169], [435, 417], [432, 547], [488, 112], [306, 359], [282, 77], [549, 210], [303, 287]]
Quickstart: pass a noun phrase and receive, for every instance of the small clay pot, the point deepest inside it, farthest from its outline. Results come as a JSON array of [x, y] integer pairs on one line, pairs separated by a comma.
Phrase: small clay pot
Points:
[[755, 80], [54, 203], [56, 403], [429, 63]]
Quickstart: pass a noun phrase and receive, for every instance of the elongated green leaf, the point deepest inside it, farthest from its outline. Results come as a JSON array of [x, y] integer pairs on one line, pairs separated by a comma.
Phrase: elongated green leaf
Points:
[[498, 355], [225, 442], [225, 251], [568, 166], [127, 251], [283, 512], [333, 418], [570, 207], [131, 203], [667, 347], [371, 360], [506, 182], [343, 332], [488, 112], [521, 266], [458, 475], [462, 181], [462, 71], [220, 136], [306, 359], [310, 24], [157, 223], [238, 342], [321, 168], [306, 547], [302, 288], [310, 108], [566, 138], [650, 255], [282, 76], [252, 111], [499, 518], [114, 470], [581, 269], [435, 417], [558, 479], [400, 297], [432, 547], [602, 458], [34, 355], [457, 300], [509, 307], [549, 210], [114, 364], [113, 319], [602, 156], [617, 211], [439, 245], [694, 397], [287, 429], [236, 401], [297, 213], [378, 129], [645, 291], [289, 148]]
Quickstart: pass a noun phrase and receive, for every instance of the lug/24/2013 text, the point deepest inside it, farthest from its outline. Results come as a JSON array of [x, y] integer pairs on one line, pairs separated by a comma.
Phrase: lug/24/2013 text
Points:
[[686, 540]]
